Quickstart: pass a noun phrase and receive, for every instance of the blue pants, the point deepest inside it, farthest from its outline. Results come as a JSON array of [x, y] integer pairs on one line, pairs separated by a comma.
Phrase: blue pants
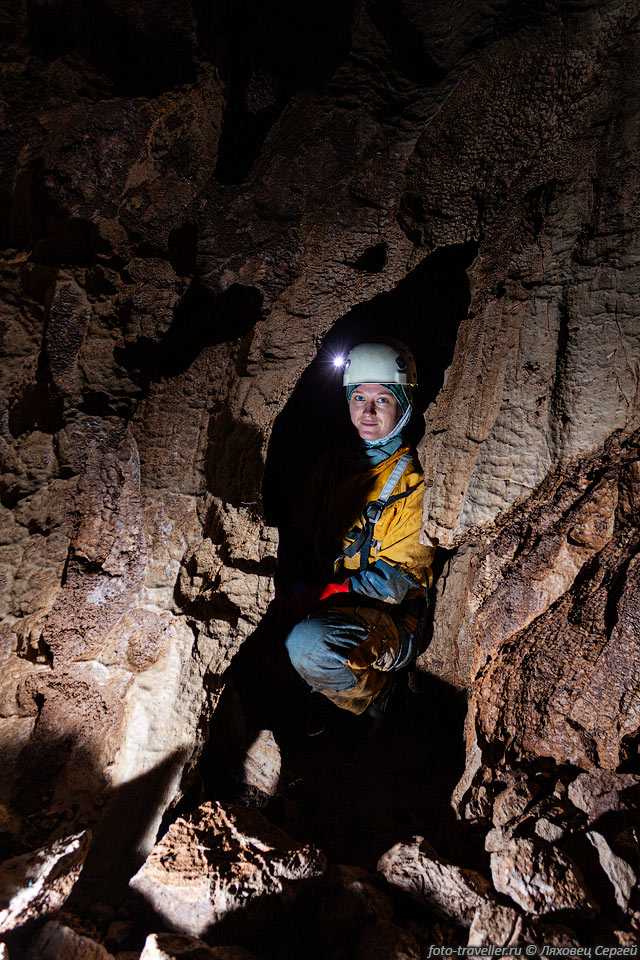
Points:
[[346, 651]]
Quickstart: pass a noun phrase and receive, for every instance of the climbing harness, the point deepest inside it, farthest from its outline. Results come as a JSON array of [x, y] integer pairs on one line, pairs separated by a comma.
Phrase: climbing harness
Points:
[[410, 642], [373, 511]]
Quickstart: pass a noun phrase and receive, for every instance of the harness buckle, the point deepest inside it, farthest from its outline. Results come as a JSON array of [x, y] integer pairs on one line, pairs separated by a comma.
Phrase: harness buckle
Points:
[[373, 511]]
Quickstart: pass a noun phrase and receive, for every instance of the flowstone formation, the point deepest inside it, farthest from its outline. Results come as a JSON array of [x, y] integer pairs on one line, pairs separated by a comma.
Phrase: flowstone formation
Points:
[[191, 200]]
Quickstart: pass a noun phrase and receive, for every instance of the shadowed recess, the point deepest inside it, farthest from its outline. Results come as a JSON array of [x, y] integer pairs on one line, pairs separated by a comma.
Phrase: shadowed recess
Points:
[[201, 320]]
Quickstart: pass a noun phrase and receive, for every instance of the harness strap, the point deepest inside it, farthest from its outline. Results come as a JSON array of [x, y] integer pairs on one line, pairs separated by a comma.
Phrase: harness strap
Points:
[[373, 511]]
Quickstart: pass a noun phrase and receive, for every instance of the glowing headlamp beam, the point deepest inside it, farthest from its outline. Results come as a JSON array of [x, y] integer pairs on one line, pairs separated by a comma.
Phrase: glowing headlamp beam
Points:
[[338, 361]]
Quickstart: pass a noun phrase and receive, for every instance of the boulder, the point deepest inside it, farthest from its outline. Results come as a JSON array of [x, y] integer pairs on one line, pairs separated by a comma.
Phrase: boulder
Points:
[[601, 791], [620, 874], [36, 884], [262, 763], [219, 862], [494, 923], [538, 877], [452, 892], [57, 942]]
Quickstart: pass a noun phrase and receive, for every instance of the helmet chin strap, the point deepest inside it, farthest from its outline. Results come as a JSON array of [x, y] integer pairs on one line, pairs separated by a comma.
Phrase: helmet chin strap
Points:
[[393, 433]]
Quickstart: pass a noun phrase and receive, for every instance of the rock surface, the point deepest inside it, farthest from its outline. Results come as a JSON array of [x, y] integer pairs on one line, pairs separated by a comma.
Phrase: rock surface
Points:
[[222, 862], [603, 792], [495, 924], [622, 877], [170, 946], [262, 763], [538, 877], [37, 884], [57, 942], [453, 892]]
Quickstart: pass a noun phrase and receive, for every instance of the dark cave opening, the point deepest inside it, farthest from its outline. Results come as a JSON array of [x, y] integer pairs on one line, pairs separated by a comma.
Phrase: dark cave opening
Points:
[[201, 319]]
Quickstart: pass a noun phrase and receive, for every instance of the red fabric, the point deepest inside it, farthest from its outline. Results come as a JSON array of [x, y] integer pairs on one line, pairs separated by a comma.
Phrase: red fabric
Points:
[[332, 588]]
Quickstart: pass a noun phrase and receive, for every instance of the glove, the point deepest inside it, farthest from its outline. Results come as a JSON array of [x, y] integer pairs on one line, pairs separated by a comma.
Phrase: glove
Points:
[[330, 588]]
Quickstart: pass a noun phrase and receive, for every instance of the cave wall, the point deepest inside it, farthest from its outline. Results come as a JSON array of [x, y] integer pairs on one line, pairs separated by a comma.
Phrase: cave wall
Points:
[[180, 235]]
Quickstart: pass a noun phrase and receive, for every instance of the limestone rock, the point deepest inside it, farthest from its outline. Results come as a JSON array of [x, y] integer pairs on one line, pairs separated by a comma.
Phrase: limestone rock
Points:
[[262, 763], [620, 874], [569, 607], [548, 830], [178, 243], [494, 923], [603, 792], [510, 805], [453, 892], [57, 942], [220, 862], [171, 946], [538, 877], [36, 884]]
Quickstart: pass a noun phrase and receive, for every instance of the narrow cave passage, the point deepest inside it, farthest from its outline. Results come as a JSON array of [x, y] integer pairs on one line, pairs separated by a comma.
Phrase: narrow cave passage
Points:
[[351, 795], [424, 310]]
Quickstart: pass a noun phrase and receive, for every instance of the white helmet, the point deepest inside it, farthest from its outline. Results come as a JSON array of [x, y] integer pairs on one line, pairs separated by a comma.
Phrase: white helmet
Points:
[[389, 362]]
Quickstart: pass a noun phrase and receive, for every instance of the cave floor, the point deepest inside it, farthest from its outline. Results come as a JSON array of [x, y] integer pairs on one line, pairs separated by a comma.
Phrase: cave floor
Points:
[[351, 794]]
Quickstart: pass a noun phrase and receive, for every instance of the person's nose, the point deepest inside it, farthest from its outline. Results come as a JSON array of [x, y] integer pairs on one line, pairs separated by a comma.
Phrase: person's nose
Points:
[[371, 409]]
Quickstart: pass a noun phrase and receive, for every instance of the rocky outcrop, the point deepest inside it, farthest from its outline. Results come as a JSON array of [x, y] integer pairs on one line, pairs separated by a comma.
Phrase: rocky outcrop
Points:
[[57, 942], [536, 876], [545, 627], [453, 892], [34, 885], [221, 862]]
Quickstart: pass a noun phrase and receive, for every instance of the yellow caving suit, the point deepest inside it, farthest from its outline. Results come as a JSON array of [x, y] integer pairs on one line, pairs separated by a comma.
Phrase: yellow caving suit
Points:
[[348, 646]]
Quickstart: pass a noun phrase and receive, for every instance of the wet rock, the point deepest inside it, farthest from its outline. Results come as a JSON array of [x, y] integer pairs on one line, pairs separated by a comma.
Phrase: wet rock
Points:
[[262, 764], [170, 946], [602, 792], [620, 874], [455, 893], [36, 884], [538, 877], [386, 941], [57, 942], [220, 862]]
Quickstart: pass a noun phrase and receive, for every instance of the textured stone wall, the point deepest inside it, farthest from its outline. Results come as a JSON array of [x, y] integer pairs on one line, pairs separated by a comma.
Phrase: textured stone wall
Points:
[[158, 309]]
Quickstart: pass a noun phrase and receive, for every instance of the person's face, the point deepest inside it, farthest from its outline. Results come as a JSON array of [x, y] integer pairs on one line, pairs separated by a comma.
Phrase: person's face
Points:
[[374, 411]]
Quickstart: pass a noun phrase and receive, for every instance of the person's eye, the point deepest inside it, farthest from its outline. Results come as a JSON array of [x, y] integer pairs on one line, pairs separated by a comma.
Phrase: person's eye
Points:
[[383, 399]]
